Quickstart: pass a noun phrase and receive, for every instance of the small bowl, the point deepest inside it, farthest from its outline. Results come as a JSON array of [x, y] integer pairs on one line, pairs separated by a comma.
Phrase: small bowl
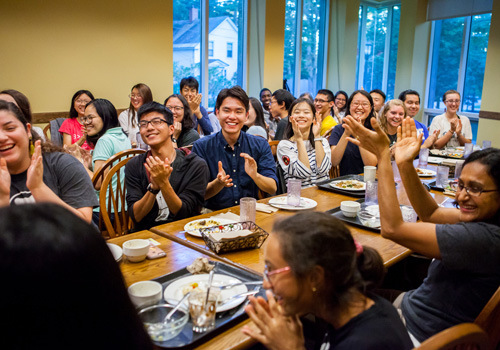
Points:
[[136, 249], [350, 208], [145, 293], [369, 218], [153, 318]]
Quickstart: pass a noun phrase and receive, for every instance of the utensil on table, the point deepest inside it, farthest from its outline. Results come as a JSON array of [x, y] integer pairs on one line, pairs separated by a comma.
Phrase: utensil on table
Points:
[[203, 317], [232, 285], [165, 320], [237, 296]]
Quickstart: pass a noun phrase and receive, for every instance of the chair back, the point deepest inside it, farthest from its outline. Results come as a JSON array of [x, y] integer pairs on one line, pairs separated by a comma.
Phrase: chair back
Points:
[[46, 132], [489, 319], [334, 171], [465, 336], [274, 147], [99, 174], [112, 202]]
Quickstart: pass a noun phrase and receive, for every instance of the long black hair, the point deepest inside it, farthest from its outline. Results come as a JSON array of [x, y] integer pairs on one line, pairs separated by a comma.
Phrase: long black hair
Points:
[[367, 123], [187, 120], [107, 112], [72, 111], [289, 128]]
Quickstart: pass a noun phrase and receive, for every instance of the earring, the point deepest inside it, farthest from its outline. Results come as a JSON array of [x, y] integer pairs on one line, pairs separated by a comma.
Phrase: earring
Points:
[[32, 147]]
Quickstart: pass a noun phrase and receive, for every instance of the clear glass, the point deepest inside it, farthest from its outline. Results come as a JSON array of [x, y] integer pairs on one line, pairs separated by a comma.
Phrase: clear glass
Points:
[[247, 209], [371, 194], [423, 157], [293, 192], [290, 33], [202, 311], [393, 52]]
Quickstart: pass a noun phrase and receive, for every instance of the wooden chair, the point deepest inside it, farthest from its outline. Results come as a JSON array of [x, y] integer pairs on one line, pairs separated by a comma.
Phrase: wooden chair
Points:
[[465, 336], [46, 132], [274, 147], [334, 171], [489, 319], [115, 203]]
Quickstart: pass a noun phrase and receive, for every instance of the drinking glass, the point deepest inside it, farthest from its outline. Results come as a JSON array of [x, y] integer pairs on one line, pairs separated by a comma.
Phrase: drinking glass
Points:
[[369, 173], [409, 215], [442, 176], [395, 171], [423, 156], [202, 314], [293, 192], [247, 209], [468, 149], [371, 193], [458, 168]]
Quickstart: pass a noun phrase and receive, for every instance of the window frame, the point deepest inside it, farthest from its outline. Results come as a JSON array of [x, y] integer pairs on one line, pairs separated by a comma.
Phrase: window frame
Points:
[[229, 51]]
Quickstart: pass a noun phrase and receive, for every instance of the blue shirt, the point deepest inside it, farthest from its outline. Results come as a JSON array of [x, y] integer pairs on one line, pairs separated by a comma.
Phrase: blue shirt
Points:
[[421, 128], [214, 148], [206, 125]]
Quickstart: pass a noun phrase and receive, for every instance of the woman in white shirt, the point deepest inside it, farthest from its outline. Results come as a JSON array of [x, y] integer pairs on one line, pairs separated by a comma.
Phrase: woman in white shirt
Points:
[[140, 94]]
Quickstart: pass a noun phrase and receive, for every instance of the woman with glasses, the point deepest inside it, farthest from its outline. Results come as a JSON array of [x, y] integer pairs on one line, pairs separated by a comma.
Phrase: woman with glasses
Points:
[[340, 106], [184, 134], [464, 242], [454, 130], [139, 95], [72, 128], [351, 158], [313, 266]]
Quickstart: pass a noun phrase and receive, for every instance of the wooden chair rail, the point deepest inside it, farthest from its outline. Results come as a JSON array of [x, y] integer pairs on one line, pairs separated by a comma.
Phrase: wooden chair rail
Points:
[[465, 336]]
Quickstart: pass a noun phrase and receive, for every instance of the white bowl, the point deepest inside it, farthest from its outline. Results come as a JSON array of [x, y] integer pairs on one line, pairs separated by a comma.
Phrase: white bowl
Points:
[[136, 249], [145, 293], [350, 208]]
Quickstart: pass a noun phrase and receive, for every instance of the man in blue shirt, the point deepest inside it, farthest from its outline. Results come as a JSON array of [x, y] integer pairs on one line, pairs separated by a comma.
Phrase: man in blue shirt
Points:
[[189, 89], [239, 164]]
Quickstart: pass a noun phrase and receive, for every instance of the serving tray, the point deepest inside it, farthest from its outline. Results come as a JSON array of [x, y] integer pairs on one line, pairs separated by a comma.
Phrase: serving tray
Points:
[[325, 185], [188, 339], [336, 212]]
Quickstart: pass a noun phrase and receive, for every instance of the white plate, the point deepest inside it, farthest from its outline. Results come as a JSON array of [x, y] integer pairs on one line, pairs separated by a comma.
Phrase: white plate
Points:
[[280, 203], [426, 173], [173, 293], [116, 251], [214, 222], [435, 160], [334, 184]]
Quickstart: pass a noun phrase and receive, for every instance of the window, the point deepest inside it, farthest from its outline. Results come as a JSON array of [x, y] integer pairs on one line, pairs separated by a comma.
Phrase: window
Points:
[[307, 17], [378, 48], [456, 62], [226, 20]]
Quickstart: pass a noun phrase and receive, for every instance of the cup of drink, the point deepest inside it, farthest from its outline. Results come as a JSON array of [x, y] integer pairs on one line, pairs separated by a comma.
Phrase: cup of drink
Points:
[[395, 171], [423, 156], [371, 196], [486, 144], [369, 173], [458, 168], [293, 192], [468, 149], [202, 310], [409, 215], [247, 209], [442, 176]]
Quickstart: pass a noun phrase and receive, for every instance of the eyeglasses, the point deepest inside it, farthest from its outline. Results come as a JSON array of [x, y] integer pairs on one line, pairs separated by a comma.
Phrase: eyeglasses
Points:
[[156, 122], [134, 96], [319, 100], [472, 191], [268, 274], [356, 104], [88, 119], [175, 108], [452, 101], [82, 102]]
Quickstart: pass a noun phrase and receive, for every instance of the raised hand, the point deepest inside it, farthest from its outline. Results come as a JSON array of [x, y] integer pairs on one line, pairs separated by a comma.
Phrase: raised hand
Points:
[[194, 103], [34, 178], [316, 129], [453, 124], [408, 144], [4, 183], [177, 129], [224, 179], [250, 165], [375, 141], [295, 127], [431, 139], [458, 128], [159, 170]]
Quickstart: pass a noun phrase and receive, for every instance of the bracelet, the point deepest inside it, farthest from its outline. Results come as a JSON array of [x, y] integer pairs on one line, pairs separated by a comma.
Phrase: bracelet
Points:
[[318, 139]]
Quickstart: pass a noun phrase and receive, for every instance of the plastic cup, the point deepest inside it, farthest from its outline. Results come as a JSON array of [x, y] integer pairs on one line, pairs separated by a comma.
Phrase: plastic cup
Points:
[[409, 215], [442, 176], [371, 196], [423, 156], [369, 173], [486, 144], [247, 209], [293, 193], [458, 168], [468, 149], [202, 315], [395, 171]]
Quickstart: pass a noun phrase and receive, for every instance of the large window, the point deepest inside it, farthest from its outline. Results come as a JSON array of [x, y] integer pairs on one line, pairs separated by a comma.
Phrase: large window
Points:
[[308, 18], [225, 44], [378, 48], [457, 61]]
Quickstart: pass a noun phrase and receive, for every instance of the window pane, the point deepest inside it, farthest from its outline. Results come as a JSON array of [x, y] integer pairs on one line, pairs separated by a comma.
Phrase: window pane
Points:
[[360, 23], [476, 60], [448, 37], [393, 52], [186, 40], [290, 32], [376, 30]]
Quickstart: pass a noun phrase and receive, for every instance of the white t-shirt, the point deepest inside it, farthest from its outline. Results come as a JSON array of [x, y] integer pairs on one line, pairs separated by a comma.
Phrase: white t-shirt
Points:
[[126, 125], [441, 123]]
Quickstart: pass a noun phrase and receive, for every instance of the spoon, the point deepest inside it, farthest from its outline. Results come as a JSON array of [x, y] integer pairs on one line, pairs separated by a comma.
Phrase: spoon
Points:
[[165, 320]]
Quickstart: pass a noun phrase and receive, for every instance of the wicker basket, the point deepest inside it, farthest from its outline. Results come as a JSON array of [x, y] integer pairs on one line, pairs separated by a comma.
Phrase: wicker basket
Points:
[[249, 242]]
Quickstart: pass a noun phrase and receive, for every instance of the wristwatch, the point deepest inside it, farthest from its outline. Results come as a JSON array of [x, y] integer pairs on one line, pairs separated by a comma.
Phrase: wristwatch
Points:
[[152, 190]]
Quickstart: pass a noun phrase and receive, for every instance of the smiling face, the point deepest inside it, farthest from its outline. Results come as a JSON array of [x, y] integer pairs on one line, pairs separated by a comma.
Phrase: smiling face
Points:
[[378, 101], [232, 116], [477, 208], [80, 102], [136, 99], [322, 104], [265, 98], [340, 101], [360, 107], [395, 117], [412, 104], [189, 92], [275, 108], [177, 108], [303, 115], [452, 103], [93, 122], [14, 142], [156, 136]]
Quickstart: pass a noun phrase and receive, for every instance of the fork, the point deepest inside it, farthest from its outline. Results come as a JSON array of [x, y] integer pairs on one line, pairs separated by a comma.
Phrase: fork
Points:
[[232, 285]]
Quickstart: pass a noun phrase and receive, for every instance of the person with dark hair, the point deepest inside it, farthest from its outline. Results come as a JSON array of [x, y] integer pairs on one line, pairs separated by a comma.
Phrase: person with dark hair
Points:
[[72, 129], [454, 130], [189, 88], [31, 171], [139, 95], [340, 106], [348, 156], [184, 134], [265, 98], [65, 290], [22, 102], [463, 242], [307, 95], [280, 104], [314, 266], [304, 154], [324, 103], [378, 97], [166, 183], [255, 124], [239, 164]]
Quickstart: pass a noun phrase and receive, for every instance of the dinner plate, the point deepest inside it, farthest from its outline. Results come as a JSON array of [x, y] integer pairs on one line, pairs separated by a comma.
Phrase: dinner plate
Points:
[[281, 203], [435, 160], [426, 172], [335, 184], [173, 292], [116, 251], [193, 227]]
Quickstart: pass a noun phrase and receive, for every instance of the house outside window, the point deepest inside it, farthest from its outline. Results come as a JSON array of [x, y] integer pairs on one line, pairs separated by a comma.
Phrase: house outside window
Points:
[[210, 49], [229, 50]]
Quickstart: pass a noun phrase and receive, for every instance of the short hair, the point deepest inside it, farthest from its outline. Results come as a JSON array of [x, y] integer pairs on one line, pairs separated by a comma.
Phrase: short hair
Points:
[[235, 92], [72, 111], [190, 82], [107, 112], [380, 92], [289, 129], [404, 94], [449, 92], [187, 120], [264, 89], [327, 93], [382, 118], [147, 96], [156, 107], [367, 122], [282, 95], [307, 95], [22, 102]]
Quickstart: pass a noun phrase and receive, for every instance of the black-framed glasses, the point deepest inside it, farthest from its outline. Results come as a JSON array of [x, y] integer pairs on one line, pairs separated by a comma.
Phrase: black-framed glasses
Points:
[[156, 122], [175, 108], [472, 191], [319, 100]]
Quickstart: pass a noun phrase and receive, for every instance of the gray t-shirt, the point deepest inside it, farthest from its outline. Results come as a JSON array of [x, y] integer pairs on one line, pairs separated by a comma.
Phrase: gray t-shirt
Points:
[[458, 286], [64, 175]]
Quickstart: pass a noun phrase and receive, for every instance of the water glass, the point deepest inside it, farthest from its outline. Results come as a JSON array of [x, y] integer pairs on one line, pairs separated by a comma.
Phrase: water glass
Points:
[[247, 209], [202, 310], [293, 192], [458, 168], [442, 176], [423, 156], [371, 196], [486, 144], [409, 215], [468, 149], [395, 171], [369, 173]]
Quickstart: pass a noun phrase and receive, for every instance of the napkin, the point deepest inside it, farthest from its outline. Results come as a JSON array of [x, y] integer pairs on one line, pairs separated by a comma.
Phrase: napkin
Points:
[[228, 215], [219, 236], [265, 208], [449, 162]]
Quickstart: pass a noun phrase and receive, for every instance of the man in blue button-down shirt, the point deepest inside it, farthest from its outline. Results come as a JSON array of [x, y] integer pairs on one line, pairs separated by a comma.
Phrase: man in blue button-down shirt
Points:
[[239, 164]]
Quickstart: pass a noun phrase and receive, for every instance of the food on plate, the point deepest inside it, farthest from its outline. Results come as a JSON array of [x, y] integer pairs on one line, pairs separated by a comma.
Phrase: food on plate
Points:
[[350, 184], [191, 287], [420, 171], [196, 225], [200, 265]]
